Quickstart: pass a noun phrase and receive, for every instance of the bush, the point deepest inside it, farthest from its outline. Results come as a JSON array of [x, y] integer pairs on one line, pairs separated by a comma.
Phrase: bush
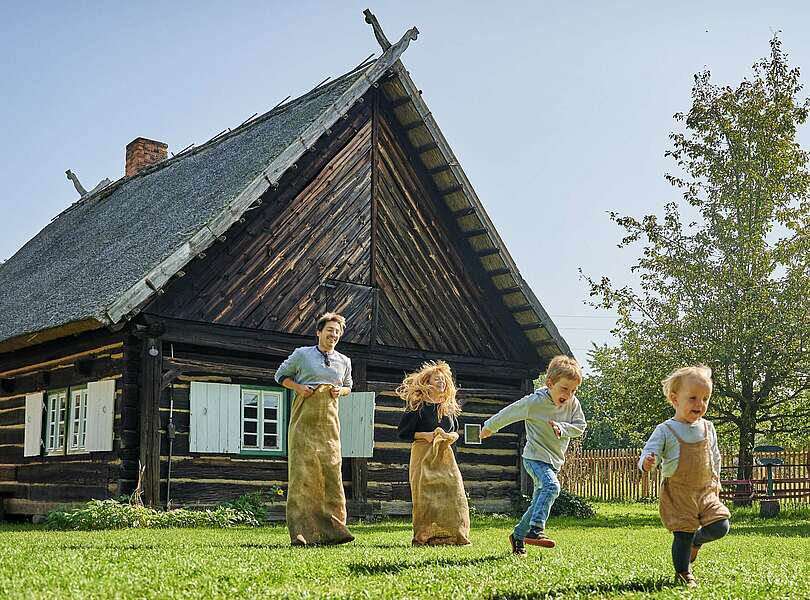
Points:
[[571, 505], [115, 514], [255, 503]]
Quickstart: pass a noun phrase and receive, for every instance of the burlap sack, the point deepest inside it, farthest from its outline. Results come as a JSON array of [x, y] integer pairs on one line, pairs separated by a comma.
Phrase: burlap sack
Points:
[[441, 514], [316, 503]]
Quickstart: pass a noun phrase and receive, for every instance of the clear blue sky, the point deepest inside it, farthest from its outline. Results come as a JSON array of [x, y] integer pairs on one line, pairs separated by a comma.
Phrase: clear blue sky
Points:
[[558, 111]]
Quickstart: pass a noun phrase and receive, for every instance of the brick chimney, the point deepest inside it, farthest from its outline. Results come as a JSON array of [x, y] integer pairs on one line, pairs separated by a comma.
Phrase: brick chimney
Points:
[[142, 153]]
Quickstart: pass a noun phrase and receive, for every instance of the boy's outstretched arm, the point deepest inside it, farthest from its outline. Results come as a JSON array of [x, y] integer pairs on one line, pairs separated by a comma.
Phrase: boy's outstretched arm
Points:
[[576, 426], [517, 411]]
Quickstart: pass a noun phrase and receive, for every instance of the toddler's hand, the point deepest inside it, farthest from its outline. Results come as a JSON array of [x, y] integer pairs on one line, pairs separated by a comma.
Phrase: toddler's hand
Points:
[[649, 462], [485, 433], [556, 427]]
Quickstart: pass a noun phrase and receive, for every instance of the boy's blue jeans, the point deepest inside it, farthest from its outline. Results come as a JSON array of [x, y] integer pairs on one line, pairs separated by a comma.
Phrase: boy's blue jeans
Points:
[[546, 490]]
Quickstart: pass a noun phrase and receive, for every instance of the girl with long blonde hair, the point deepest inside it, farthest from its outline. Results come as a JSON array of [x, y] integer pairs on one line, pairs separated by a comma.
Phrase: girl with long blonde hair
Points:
[[441, 514]]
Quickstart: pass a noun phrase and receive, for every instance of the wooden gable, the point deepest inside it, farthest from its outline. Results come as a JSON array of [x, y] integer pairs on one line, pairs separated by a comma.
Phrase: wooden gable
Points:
[[433, 293], [304, 250]]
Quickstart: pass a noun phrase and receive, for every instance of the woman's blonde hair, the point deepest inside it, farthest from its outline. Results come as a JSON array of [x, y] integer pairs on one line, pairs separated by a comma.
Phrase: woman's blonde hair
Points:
[[416, 390], [673, 382]]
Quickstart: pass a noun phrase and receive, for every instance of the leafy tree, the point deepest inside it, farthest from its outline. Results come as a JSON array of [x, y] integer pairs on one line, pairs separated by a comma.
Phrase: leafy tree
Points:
[[731, 288]]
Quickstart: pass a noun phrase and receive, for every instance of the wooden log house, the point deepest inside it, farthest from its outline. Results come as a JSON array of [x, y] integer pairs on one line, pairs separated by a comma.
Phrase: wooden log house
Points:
[[145, 322]]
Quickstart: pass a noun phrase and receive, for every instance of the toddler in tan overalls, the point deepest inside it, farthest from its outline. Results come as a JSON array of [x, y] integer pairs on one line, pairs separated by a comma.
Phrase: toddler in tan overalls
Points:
[[685, 448]]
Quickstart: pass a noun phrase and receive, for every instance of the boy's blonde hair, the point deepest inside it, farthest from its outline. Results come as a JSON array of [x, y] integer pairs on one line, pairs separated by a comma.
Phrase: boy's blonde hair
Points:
[[331, 316], [673, 382], [416, 389], [562, 366]]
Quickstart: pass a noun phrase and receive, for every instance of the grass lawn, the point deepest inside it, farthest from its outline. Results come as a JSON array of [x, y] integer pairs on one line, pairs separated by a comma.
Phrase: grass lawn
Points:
[[622, 553]]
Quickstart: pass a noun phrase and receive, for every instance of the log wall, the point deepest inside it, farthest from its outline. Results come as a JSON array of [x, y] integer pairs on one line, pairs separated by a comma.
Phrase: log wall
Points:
[[39, 483]]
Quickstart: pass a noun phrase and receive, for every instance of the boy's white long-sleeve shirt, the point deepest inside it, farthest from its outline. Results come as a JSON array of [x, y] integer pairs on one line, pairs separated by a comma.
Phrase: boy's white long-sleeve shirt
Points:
[[537, 409], [667, 450]]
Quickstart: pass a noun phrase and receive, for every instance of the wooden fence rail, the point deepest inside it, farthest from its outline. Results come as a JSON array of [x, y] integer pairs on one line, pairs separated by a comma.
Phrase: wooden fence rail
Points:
[[614, 474]]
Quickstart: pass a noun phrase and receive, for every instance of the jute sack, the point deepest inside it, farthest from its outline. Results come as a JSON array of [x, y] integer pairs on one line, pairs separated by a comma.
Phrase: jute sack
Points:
[[441, 514], [316, 503]]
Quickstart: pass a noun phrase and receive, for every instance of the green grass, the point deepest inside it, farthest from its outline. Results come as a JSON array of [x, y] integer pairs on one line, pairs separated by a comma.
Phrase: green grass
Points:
[[621, 553]]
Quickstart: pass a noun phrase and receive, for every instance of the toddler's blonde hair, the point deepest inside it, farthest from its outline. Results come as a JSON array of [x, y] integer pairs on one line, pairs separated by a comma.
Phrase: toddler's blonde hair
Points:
[[416, 390], [673, 382], [562, 366]]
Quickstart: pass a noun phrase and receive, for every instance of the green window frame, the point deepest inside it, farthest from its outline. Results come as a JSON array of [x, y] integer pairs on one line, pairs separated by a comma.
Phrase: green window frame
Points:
[[263, 418], [56, 403]]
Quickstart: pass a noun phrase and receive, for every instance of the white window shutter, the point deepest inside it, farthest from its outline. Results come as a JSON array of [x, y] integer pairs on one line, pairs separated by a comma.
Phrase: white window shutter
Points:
[[33, 424], [100, 415], [356, 414], [215, 424]]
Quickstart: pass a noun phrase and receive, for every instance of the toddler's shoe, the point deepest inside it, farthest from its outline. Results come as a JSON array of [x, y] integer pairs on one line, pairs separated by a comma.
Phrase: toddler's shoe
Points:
[[537, 537], [517, 546], [686, 579]]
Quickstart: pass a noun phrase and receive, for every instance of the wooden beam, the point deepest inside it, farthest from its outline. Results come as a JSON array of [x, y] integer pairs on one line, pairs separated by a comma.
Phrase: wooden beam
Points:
[[520, 308], [509, 290], [531, 326], [501, 271], [475, 232], [463, 212], [150, 381], [487, 252], [400, 102], [426, 147], [414, 125], [451, 190], [440, 168], [7, 385]]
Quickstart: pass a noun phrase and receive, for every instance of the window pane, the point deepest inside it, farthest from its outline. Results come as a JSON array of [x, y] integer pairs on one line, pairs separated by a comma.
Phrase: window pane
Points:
[[250, 440], [250, 412], [270, 442], [250, 398], [270, 428], [270, 414], [270, 401], [251, 427]]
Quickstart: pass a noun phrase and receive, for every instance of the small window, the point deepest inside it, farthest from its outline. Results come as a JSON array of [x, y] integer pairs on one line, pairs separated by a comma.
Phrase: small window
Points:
[[472, 434], [56, 409], [263, 420], [77, 420]]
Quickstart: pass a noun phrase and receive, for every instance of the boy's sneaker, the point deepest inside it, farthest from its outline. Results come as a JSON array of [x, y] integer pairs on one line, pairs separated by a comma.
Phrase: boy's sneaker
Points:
[[517, 546], [537, 537], [686, 579]]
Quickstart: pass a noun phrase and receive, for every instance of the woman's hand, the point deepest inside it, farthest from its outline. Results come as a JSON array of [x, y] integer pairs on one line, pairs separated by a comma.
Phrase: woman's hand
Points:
[[305, 391]]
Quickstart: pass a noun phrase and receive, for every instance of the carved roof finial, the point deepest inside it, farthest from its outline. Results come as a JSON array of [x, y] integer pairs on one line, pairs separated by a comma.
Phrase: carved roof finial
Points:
[[76, 183], [378, 32]]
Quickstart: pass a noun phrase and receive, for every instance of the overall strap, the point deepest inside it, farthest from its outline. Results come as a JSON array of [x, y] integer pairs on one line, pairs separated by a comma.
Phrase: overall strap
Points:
[[677, 437]]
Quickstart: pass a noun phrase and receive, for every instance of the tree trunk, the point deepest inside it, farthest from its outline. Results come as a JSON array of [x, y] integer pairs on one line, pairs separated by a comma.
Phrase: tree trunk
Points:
[[745, 458]]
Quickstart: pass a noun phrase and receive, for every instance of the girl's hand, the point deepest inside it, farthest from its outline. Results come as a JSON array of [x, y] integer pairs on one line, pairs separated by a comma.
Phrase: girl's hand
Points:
[[649, 462], [485, 433]]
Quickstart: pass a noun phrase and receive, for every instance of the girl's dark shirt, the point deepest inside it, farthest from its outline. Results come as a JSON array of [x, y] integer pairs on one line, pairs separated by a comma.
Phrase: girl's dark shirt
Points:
[[425, 419]]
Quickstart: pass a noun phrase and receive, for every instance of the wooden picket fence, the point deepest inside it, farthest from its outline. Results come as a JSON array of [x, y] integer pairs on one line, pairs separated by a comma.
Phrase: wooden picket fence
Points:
[[614, 474]]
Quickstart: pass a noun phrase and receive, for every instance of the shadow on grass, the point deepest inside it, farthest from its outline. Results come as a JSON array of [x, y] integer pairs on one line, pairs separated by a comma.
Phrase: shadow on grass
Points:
[[798, 530], [628, 520], [648, 584], [368, 568]]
